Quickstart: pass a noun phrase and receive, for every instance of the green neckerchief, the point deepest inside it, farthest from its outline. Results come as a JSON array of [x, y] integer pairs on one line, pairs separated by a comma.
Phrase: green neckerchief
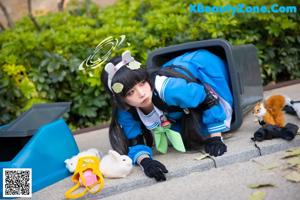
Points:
[[161, 136]]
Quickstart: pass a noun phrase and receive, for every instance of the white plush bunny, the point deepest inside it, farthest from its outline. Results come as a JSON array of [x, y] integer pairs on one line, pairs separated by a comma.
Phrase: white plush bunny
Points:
[[114, 165], [72, 162]]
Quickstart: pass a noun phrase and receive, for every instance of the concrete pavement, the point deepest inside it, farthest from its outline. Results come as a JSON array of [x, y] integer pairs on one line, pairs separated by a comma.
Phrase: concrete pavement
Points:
[[191, 178], [231, 182]]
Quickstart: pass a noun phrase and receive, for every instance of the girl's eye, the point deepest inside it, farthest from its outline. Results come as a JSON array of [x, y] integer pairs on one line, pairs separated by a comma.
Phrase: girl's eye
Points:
[[129, 93]]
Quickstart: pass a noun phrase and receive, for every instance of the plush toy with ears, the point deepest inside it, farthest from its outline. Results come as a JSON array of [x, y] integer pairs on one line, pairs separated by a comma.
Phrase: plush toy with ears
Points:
[[270, 115], [114, 165], [270, 110], [71, 163]]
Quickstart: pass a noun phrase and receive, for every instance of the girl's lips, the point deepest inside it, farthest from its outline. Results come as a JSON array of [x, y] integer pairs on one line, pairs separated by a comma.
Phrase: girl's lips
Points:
[[145, 100]]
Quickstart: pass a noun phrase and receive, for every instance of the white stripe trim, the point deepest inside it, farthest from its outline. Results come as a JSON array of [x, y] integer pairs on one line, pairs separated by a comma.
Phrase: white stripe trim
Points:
[[216, 128], [153, 126], [159, 84], [211, 128], [139, 154], [163, 89]]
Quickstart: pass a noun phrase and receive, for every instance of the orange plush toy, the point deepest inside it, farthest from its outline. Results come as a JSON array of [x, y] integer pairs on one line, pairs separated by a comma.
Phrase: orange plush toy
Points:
[[270, 110]]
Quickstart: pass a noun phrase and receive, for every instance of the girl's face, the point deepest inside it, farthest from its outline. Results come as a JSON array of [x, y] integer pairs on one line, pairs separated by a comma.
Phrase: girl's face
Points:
[[140, 95]]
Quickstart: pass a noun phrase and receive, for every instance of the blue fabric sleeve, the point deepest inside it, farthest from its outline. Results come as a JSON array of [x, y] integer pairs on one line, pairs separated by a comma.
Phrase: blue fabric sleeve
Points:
[[137, 150], [179, 92], [214, 118], [130, 126], [131, 129]]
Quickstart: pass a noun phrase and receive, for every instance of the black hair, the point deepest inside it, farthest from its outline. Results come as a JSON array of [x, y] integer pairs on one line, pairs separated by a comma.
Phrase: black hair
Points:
[[128, 78], [190, 122]]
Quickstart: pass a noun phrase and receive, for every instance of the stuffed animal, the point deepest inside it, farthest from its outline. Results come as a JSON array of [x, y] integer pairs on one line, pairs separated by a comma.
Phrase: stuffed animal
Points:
[[296, 107], [72, 162], [270, 110], [114, 165], [293, 108], [86, 175]]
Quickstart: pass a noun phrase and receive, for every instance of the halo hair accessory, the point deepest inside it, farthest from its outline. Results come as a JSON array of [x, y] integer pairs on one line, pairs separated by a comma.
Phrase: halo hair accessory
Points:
[[117, 87], [127, 60]]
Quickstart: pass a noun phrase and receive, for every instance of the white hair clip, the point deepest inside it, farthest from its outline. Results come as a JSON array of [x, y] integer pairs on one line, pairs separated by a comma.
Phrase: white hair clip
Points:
[[111, 69]]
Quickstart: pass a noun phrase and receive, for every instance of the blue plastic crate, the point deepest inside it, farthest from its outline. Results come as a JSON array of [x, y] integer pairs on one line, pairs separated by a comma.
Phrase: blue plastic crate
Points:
[[41, 148]]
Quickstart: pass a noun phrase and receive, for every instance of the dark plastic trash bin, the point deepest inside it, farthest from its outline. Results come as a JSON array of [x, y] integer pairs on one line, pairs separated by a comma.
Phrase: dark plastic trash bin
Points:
[[243, 70], [38, 139]]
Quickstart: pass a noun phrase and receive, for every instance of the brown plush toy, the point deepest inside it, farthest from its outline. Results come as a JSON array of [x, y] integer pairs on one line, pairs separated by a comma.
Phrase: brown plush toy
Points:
[[270, 110]]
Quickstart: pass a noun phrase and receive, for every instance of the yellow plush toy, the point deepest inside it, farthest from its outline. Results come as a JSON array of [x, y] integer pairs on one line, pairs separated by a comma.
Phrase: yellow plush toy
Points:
[[88, 175]]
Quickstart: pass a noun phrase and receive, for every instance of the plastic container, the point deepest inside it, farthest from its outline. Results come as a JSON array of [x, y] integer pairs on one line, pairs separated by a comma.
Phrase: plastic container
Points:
[[243, 70], [40, 140]]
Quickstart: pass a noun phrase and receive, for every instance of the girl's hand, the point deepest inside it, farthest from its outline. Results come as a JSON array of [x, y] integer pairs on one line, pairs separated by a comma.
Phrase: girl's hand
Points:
[[214, 146], [154, 169]]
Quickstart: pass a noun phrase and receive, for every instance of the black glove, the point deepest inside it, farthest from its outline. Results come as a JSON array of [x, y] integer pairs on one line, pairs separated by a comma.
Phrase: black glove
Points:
[[214, 146], [290, 110], [289, 131], [267, 132], [154, 169]]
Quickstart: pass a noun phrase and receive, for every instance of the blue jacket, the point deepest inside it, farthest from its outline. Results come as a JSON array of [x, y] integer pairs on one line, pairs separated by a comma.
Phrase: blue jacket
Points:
[[209, 69]]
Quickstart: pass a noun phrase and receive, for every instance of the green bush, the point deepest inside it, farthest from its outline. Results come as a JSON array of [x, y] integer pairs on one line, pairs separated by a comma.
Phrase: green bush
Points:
[[42, 66]]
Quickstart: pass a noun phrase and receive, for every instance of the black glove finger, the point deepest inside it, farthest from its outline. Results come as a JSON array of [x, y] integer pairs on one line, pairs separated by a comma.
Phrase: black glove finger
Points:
[[155, 172], [150, 172], [221, 150], [159, 175], [224, 148], [208, 150], [214, 150], [217, 150], [164, 170], [162, 167]]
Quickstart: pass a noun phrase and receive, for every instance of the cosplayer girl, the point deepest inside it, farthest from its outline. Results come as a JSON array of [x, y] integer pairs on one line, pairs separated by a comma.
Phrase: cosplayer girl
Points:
[[186, 101]]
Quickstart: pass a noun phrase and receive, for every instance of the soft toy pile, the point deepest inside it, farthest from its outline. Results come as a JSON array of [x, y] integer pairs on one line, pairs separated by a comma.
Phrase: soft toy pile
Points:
[[89, 169], [270, 116]]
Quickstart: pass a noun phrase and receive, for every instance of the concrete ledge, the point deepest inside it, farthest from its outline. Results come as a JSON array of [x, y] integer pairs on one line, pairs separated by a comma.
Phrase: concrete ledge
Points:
[[240, 149], [200, 166]]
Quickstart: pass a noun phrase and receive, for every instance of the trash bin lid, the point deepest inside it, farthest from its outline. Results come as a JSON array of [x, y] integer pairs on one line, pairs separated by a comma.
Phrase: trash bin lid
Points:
[[38, 115]]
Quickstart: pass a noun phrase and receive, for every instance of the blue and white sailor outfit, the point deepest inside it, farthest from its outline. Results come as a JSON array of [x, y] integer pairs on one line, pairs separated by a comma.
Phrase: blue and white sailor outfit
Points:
[[174, 91]]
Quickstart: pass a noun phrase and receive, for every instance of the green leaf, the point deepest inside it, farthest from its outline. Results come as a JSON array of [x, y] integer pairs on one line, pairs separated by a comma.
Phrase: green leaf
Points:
[[293, 176], [27, 88], [41, 79], [259, 195], [202, 156], [294, 161], [291, 153], [270, 166]]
